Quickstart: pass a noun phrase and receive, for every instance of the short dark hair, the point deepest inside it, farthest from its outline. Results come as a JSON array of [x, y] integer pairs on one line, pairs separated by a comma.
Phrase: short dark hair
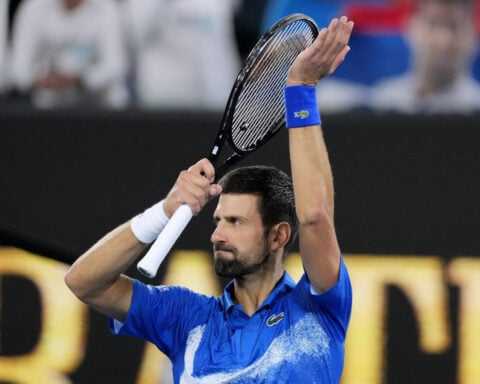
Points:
[[275, 189]]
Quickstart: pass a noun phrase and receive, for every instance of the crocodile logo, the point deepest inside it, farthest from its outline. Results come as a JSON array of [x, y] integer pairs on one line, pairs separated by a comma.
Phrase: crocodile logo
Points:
[[301, 114], [275, 319]]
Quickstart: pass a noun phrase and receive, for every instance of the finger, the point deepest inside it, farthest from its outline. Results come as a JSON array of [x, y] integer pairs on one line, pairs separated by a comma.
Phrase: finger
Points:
[[195, 183], [341, 48], [338, 33], [319, 42], [205, 168], [325, 40], [339, 59], [333, 24], [345, 29], [337, 39], [192, 189], [215, 190]]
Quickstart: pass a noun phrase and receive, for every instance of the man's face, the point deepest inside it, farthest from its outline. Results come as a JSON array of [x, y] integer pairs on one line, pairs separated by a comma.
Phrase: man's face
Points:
[[442, 37], [239, 242]]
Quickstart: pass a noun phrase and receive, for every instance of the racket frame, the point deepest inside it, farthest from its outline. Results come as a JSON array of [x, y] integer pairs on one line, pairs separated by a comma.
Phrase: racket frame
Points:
[[225, 131]]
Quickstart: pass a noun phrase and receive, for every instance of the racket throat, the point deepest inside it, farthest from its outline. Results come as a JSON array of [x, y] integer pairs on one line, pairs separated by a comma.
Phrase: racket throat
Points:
[[222, 169]]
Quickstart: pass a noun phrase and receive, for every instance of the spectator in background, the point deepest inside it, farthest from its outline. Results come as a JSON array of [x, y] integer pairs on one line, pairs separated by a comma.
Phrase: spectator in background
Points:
[[441, 34], [184, 52], [3, 45], [69, 53]]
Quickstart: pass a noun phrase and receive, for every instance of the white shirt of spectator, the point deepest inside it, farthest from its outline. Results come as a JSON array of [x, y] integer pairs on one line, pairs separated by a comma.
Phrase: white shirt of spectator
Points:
[[184, 51], [399, 95], [86, 42], [3, 44]]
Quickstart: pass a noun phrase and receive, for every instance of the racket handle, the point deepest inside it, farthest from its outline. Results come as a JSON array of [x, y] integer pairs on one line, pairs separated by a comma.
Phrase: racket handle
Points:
[[150, 263]]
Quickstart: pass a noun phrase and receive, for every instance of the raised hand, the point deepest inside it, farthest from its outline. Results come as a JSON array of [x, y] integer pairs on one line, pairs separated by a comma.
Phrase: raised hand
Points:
[[324, 56]]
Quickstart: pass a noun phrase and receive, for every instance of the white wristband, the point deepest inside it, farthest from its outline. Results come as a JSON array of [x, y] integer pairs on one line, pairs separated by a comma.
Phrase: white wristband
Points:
[[147, 225]]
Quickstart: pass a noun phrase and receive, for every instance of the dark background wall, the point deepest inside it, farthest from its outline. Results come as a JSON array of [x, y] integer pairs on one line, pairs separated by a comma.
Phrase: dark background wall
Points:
[[405, 185]]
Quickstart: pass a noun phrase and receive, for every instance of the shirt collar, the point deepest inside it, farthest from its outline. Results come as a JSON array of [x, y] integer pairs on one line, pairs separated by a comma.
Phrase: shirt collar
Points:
[[284, 285]]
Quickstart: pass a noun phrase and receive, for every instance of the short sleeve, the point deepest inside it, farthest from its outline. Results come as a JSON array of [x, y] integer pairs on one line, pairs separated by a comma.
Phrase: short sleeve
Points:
[[334, 306], [163, 315]]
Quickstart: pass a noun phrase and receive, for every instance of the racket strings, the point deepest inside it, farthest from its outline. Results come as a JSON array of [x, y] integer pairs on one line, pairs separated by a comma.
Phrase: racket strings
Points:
[[260, 108]]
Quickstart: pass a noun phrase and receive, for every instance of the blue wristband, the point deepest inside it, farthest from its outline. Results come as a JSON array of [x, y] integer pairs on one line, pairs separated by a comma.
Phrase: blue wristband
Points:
[[301, 106]]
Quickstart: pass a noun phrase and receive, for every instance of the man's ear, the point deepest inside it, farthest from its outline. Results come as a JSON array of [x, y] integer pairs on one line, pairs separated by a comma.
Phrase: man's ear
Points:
[[279, 235]]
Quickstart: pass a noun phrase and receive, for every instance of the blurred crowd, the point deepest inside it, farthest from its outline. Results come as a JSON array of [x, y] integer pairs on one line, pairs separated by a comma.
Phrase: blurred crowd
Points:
[[408, 56]]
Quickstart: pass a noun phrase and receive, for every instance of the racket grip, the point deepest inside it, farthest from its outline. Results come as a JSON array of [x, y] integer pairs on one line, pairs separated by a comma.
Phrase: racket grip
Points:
[[152, 260]]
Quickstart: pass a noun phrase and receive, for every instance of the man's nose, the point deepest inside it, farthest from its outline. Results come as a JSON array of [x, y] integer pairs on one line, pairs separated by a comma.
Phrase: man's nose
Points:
[[217, 235]]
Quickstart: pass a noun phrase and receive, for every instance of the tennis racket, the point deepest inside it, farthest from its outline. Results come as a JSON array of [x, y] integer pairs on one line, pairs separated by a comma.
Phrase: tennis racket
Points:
[[254, 113]]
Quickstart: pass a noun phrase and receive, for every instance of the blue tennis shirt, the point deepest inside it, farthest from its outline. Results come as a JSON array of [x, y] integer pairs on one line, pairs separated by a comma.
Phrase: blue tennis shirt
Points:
[[295, 336]]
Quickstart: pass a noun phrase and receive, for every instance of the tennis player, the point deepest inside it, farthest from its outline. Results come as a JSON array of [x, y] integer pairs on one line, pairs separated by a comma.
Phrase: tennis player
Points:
[[264, 328]]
